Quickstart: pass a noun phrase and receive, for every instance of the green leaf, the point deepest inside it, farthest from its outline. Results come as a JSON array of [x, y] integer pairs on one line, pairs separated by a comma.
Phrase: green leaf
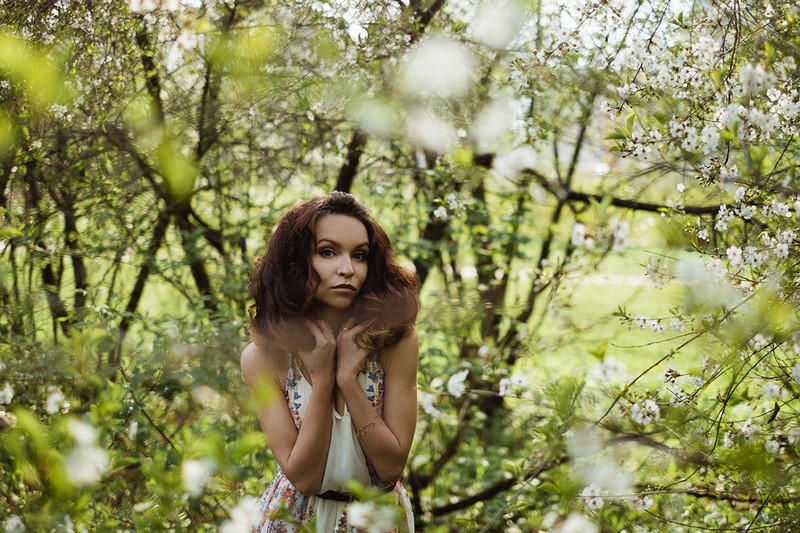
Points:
[[600, 351], [629, 120], [617, 134]]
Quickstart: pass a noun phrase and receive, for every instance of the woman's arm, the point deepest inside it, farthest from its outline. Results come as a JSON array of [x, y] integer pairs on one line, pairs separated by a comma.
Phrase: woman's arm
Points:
[[386, 442], [301, 455]]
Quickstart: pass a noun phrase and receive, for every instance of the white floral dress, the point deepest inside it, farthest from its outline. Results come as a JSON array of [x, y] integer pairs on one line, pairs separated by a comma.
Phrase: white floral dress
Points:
[[283, 508]]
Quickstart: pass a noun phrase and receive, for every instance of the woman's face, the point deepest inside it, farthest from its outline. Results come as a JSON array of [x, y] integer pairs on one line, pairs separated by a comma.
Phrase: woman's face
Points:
[[339, 258]]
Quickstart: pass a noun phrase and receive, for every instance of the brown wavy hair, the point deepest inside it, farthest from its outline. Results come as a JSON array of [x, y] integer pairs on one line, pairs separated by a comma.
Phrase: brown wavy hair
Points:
[[284, 282]]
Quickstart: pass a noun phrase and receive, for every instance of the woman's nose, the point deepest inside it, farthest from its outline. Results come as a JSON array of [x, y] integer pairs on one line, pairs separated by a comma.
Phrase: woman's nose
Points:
[[346, 267]]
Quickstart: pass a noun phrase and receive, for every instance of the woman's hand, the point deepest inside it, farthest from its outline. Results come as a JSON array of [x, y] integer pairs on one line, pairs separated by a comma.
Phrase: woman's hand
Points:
[[321, 360], [350, 356]]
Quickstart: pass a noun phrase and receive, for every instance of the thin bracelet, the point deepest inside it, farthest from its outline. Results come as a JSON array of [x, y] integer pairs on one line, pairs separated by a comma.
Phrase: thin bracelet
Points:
[[360, 432]]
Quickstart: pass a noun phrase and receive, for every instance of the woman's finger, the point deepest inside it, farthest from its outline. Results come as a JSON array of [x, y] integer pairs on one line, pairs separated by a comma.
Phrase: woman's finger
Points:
[[317, 329], [361, 327]]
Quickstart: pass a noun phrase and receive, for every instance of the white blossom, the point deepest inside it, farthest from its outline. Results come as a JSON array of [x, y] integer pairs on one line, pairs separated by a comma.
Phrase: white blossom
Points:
[[759, 341], [438, 66], [734, 254], [14, 524], [677, 324], [504, 388], [578, 234], [747, 211], [755, 79], [794, 436], [428, 406], [430, 131], [86, 463], [608, 369], [81, 432], [679, 398], [709, 137], [592, 497], [670, 374], [54, 401], [519, 380], [497, 22], [491, 124], [750, 430], [728, 440], [133, 429], [455, 385], [242, 518], [6, 394], [371, 517], [772, 390], [510, 164], [357, 32], [642, 502], [620, 231], [774, 447], [575, 523], [646, 412], [440, 213], [195, 474]]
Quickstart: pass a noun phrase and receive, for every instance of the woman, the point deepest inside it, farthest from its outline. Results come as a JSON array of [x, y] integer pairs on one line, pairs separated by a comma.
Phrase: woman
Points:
[[334, 340]]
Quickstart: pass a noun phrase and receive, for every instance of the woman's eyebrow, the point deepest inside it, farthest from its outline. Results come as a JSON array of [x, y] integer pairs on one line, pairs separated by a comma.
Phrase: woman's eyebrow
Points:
[[364, 244]]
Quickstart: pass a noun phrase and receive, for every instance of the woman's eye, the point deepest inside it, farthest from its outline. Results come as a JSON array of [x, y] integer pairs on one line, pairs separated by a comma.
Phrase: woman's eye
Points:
[[360, 256], [326, 252]]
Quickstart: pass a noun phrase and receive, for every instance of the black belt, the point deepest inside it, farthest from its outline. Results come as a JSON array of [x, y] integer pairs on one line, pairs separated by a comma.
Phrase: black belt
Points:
[[337, 496]]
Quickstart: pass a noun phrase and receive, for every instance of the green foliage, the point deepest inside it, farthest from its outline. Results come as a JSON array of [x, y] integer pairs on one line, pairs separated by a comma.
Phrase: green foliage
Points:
[[143, 163]]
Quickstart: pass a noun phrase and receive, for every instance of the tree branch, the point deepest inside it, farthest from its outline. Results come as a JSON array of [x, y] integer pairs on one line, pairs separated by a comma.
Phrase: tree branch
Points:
[[347, 173]]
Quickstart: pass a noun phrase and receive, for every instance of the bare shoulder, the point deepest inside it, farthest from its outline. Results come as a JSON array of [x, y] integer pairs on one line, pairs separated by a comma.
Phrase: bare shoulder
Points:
[[257, 363], [403, 353]]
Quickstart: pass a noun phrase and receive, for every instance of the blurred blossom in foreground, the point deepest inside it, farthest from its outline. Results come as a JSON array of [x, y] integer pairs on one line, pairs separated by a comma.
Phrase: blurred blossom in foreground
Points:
[[430, 131], [370, 517], [195, 474], [491, 124], [14, 524], [86, 462], [575, 523], [440, 67], [510, 164], [497, 22], [607, 475], [376, 116], [81, 432], [706, 284], [455, 385], [583, 442], [242, 517]]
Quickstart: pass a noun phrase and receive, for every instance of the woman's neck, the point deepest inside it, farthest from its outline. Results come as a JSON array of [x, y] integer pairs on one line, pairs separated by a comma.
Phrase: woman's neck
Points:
[[334, 317]]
